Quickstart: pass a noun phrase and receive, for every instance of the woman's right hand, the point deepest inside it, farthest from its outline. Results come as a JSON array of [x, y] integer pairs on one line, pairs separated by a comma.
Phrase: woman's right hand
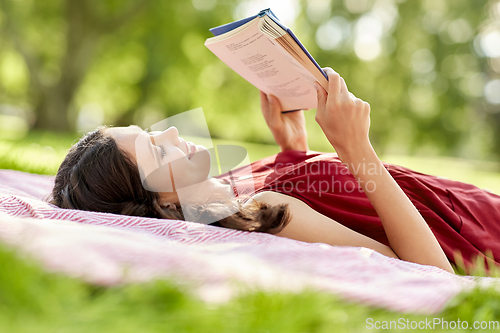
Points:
[[344, 119]]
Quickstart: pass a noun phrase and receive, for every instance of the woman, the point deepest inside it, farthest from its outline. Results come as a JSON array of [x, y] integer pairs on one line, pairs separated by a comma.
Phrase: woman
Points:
[[363, 206]]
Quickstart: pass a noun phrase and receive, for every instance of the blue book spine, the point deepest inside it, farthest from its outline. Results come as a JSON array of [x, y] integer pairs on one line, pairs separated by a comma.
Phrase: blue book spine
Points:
[[230, 26]]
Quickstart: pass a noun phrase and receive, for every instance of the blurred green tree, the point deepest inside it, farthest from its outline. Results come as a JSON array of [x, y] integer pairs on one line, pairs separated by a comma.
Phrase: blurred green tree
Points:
[[417, 63], [72, 48], [58, 41], [430, 68]]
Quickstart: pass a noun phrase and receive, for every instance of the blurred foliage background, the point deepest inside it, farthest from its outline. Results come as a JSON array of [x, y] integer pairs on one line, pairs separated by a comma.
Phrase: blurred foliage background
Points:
[[430, 69]]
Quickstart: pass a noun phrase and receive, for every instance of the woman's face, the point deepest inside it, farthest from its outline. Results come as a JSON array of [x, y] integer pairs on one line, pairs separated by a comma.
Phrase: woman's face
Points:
[[166, 162]]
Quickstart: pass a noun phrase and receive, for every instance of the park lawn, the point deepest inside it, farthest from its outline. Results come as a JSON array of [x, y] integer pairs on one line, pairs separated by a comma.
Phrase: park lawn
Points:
[[33, 300], [42, 152]]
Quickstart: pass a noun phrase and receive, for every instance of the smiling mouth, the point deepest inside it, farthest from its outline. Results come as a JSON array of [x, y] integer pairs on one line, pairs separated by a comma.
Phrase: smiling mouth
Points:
[[191, 148]]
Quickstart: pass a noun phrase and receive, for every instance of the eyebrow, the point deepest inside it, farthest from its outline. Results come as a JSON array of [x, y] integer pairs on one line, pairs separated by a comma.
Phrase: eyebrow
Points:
[[155, 153], [140, 128], [150, 148]]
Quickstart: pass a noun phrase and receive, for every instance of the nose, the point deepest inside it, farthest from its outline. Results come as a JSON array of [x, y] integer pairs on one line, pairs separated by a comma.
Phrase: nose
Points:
[[171, 134]]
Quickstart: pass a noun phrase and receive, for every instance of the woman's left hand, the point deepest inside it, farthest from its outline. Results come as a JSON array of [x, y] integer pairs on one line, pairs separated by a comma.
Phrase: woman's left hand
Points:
[[289, 129]]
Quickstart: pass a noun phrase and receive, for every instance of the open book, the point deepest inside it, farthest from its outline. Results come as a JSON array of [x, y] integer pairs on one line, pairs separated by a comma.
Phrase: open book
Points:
[[268, 55]]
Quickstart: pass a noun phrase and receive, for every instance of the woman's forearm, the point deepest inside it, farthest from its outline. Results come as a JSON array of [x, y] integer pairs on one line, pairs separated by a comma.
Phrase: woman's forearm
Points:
[[345, 120], [409, 235], [298, 144]]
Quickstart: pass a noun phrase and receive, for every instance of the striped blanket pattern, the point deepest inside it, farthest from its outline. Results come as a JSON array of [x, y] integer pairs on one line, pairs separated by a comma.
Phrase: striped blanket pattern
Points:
[[217, 263]]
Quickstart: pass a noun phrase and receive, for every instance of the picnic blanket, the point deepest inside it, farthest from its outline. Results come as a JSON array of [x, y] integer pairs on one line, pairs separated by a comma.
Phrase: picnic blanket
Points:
[[218, 263]]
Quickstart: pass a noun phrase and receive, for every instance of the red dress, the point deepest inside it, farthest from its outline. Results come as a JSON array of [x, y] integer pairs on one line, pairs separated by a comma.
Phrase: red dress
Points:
[[463, 217]]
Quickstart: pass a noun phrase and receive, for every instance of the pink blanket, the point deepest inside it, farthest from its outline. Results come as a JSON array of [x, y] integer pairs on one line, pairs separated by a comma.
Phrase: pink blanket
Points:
[[217, 263]]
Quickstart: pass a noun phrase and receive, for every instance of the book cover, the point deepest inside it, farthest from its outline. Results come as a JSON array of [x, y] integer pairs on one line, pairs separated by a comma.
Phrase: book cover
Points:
[[268, 55]]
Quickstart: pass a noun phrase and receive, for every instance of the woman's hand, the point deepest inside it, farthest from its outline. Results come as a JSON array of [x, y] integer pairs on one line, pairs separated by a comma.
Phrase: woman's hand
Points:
[[344, 119], [289, 129]]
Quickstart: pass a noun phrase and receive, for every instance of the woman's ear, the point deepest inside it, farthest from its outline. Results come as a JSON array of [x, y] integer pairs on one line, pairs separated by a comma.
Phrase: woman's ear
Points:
[[168, 197], [169, 205]]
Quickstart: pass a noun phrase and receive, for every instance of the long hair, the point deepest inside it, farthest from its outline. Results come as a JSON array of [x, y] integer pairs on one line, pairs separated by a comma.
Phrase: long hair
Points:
[[97, 176]]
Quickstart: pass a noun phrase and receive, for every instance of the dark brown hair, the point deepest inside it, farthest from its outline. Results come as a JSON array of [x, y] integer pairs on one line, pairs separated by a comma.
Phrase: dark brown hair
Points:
[[97, 176]]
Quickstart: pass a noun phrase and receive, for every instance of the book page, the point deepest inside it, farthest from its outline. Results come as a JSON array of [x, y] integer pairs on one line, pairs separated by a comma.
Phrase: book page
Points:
[[262, 62], [293, 48]]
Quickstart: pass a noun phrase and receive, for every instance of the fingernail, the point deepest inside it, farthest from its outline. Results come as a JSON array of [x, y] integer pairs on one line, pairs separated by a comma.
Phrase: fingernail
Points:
[[316, 86]]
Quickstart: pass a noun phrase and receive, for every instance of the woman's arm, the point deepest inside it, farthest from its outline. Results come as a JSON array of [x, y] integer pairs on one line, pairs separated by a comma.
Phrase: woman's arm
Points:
[[289, 129], [307, 225], [345, 120]]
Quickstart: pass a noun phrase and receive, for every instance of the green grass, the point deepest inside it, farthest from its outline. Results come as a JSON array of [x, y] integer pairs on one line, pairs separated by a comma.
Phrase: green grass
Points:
[[42, 152], [33, 300], [39, 152], [483, 174]]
